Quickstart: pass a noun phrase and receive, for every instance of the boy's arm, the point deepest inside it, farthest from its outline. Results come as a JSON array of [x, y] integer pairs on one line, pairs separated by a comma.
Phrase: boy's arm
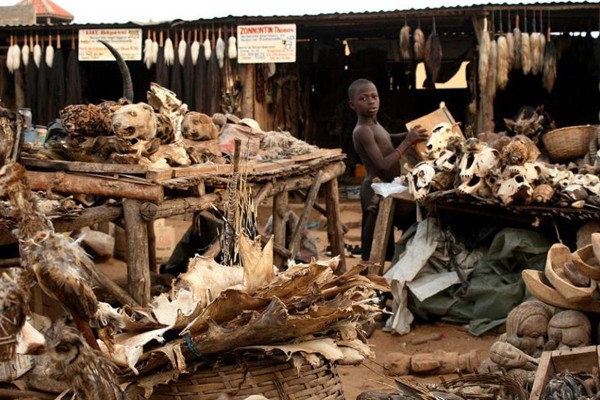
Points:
[[397, 138], [366, 139]]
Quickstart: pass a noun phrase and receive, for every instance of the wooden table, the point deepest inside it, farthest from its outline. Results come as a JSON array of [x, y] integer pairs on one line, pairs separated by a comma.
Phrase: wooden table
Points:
[[150, 197]]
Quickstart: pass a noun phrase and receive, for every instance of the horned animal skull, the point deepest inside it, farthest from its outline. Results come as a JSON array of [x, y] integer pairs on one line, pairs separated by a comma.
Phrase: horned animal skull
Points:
[[419, 179]]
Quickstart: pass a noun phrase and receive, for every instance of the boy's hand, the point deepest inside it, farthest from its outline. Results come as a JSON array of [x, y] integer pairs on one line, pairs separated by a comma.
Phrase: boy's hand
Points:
[[417, 134]]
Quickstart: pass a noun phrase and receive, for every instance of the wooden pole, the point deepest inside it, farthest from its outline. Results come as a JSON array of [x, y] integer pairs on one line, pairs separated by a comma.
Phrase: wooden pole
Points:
[[280, 207], [68, 183], [335, 232], [320, 208], [381, 233], [138, 267], [308, 206], [168, 208]]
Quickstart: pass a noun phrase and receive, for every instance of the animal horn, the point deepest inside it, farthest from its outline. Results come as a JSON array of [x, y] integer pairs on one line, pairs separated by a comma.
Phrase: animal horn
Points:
[[127, 82]]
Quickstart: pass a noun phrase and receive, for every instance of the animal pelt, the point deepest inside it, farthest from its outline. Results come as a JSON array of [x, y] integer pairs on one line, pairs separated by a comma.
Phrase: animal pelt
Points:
[[220, 49], [433, 56], [405, 42], [517, 48], [195, 50], [502, 62], [525, 52], [530, 122], [165, 131], [537, 42], [510, 46], [207, 49], [84, 120], [49, 55], [484, 58], [550, 70], [519, 151], [148, 53], [492, 71], [25, 54], [494, 140], [232, 47], [134, 121], [181, 49], [37, 54], [419, 43]]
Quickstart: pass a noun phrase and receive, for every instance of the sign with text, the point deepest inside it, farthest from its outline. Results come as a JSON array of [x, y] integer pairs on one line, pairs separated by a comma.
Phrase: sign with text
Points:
[[259, 44], [128, 43]]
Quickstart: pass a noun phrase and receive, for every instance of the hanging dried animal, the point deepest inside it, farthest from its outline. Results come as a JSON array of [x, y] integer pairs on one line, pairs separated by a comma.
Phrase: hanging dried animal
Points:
[[182, 48], [195, 48], [405, 41], [49, 53], [37, 52], [169, 52], [433, 55], [220, 49], [232, 47], [148, 52], [25, 52], [503, 61], [484, 57], [419, 44], [492, 71], [525, 50], [518, 43], [549, 69], [207, 47]]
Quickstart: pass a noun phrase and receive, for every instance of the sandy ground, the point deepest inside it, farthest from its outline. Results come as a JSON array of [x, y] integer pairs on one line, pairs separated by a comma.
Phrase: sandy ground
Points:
[[370, 375]]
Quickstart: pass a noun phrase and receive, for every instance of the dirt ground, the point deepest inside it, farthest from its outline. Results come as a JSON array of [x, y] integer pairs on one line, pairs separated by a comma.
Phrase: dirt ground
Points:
[[370, 375]]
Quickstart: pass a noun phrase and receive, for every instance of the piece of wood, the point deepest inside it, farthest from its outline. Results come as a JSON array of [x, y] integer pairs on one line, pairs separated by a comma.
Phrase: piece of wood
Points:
[[335, 232], [138, 266], [308, 206], [261, 167], [203, 169], [383, 226], [10, 262], [151, 245], [262, 193], [159, 175], [88, 217], [280, 207], [305, 181], [320, 208], [20, 394], [323, 153], [112, 288], [69, 183], [179, 206], [78, 166]]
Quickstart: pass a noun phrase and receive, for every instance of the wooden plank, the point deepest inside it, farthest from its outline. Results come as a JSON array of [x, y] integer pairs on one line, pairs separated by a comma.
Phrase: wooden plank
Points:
[[69, 183], [544, 371], [179, 206], [268, 166], [323, 153], [78, 166], [383, 226], [203, 169], [157, 175]]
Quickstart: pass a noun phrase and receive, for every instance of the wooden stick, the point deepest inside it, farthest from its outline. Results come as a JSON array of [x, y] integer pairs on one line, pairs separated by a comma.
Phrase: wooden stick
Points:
[[168, 208], [320, 208], [138, 267], [68, 183], [308, 206], [19, 394], [111, 287], [335, 232], [280, 207], [262, 193]]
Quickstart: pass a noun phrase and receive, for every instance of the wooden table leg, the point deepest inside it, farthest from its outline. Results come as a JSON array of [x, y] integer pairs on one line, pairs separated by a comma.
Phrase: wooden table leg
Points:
[[335, 230], [308, 206], [138, 266], [280, 207], [383, 225]]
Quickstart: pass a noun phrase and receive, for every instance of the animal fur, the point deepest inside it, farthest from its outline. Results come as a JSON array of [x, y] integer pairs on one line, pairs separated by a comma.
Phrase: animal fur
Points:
[[37, 54], [493, 70], [154, 51], [433, 56], [207, 49], [549, 76], [536, 52], [484, 58], [169, 52], [525, 53], [15, 293], [148, 53], [195, 50], [25, 54], [517, 49], [9, 59], [510, 45], [502, 63], [232, 47], [49, 55], [405, 42], [419, 45], [181, 49], [16, 55], [220, 49]]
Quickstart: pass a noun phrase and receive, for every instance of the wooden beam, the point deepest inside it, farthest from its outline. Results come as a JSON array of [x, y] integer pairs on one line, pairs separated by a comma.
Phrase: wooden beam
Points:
[[280, 207], [186, 205], [88, 217], [308, 206], [78, 166], [69, 183], [320, 208], [138, 267], [381, 233]]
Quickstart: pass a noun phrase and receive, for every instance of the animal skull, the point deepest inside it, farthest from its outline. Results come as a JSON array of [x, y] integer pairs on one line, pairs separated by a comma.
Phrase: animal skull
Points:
[[515, 189], [134, 121], [476, 186], [447, 161], [479, 163], [441, 135], [419, 179]]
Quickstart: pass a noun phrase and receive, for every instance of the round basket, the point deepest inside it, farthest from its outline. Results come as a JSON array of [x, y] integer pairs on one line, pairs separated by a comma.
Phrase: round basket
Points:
[[569, 142], [274, 379]]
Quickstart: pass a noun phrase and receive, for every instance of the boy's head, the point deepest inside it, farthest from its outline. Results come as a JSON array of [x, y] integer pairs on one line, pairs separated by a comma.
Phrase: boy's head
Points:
[[356, 85], [363, 97]]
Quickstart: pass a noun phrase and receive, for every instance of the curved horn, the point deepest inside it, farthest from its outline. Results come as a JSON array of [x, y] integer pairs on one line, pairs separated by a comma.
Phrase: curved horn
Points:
[[127, 82]]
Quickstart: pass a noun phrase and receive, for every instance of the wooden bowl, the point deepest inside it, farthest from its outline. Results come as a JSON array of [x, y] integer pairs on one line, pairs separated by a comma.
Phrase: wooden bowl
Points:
[[540, 288], [586, 262], [558, 255]]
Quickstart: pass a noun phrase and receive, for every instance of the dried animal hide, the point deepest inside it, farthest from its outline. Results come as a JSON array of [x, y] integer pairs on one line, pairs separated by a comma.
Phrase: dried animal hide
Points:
[[257, 262], [37, 54], [181, 49], [526, 57], [517, 48], [25, 53], [220, 49], [419, 44], [433, 56], [405, 42], [538, 43], [195, 50], [484, 58], [49, 55], [232, 47], [510, 46], [280, 145], [169, 52], [148, 53], [502, 63], [207, 48], [492, 71], [550, 70]]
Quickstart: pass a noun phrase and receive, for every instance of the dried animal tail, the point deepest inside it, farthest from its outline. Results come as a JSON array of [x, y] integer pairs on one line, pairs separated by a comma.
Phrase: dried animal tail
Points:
[[127, 82]]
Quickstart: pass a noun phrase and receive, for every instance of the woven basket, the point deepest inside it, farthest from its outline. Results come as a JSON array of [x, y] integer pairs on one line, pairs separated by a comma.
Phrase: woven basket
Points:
[[569, 142], [274, 379]]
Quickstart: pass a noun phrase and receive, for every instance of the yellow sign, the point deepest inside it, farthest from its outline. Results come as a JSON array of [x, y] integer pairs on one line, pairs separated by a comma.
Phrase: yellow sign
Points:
[[128, 43], [259, 44]]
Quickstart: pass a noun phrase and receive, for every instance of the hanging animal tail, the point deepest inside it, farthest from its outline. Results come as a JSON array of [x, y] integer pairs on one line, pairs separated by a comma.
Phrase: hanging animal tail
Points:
[[127, 82]]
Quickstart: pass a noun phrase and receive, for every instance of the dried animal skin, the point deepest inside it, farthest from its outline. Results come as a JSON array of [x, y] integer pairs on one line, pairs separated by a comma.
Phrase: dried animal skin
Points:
[[517, 48], [549, 76], [484, 58], [220, 49], [537, 54], [14, 296], [510, 46], [405, 42], [492, 71], [433, 56], [419, 45], [502, 63], [526, 53], [195, 50], [148, 53], [169, 52]]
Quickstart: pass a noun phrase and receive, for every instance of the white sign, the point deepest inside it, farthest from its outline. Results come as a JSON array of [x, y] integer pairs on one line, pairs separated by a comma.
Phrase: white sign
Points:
[[259, 44], [128, 43]]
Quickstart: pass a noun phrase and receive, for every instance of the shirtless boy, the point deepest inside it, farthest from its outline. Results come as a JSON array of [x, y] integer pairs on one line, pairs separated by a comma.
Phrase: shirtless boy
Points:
[[378, 150]]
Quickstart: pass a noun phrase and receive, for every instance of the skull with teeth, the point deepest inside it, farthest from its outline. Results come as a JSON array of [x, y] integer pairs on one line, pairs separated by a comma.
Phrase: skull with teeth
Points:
[[515, 190], [441, 135], [420, 178], [447, 161], [477, 159]]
